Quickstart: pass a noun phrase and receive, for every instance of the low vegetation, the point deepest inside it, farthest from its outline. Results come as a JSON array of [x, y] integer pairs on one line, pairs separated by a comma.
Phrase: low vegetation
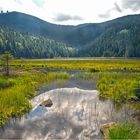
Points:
[[16, 90], [124, 131], [120, 87], [91, 65]]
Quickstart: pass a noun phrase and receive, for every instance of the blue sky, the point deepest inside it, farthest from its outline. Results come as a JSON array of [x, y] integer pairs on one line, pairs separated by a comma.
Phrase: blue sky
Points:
[[73, 11]]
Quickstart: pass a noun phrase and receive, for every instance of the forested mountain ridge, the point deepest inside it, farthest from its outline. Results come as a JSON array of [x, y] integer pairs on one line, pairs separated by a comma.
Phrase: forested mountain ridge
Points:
[[74, 35], [116, 38], [25, 45], [120, 40]]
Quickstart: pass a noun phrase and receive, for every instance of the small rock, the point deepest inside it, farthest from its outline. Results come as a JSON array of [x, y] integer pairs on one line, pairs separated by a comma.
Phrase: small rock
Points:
[[47, 103], [104, 119], [104, 128], [107, 126]]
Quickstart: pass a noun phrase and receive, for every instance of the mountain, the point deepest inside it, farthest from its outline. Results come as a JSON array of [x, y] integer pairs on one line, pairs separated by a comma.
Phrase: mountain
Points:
[[118, 37], [74, 35], [25, 45]]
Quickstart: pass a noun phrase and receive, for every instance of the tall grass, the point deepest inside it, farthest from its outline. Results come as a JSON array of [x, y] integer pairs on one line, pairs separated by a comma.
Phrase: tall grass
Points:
[[13, 103], [120, 87], [5, 83], [124, 131], [15, 92]]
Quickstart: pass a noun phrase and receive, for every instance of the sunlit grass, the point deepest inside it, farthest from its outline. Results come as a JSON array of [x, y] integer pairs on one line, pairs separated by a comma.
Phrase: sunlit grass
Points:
[[120, 87], [92, 65], [5, 82], [16, 91], [124, 131]]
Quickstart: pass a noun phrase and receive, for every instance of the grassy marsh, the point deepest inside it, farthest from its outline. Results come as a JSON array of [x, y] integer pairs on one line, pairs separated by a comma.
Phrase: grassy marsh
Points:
[[118, 80], [16, 91], [80, 64], [124, 131], [120, 87]]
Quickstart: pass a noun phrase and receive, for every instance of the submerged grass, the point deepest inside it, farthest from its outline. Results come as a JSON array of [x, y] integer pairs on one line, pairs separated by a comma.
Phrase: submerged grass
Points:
[[15, 92]]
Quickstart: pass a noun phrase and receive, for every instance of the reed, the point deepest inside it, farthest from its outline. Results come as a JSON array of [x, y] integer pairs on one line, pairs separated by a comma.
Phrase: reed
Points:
[[120, 87], [124, 131]]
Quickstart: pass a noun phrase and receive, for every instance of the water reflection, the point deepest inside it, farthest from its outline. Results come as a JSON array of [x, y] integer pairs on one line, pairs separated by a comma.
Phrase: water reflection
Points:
[[76, 114]]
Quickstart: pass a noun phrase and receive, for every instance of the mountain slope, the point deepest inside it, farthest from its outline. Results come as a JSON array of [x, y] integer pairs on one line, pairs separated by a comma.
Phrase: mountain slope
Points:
[[74, 35], [118, 37], [25, 45], [121, 38]]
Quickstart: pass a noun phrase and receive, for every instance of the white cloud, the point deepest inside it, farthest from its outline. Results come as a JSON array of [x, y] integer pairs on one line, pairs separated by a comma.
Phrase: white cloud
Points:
[[87, 10], [63, 17], [39, 3], [18, 1]]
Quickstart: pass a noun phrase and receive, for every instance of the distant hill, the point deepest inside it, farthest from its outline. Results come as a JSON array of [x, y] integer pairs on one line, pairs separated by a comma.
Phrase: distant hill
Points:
[[118, 37], [25, 45], [75, 35], [121, 38]]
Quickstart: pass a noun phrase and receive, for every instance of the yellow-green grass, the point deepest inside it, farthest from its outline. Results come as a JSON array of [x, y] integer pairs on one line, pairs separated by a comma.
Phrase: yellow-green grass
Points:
[[124, 131], [16, 91], [118, 86], [80, 64]]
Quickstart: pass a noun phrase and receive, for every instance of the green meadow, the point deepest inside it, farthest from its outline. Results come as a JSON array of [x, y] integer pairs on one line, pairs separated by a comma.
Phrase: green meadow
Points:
[[79, 64]]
